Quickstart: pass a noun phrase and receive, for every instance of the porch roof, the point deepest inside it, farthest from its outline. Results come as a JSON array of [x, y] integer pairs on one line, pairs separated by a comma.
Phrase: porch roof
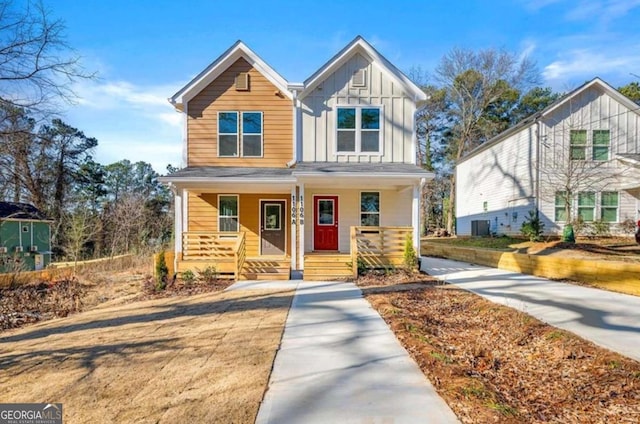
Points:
[[229, 174], [344, 169]]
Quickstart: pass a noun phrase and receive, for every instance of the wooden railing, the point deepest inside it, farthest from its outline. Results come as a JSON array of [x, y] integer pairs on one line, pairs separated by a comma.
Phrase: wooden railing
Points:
[[226, 249], [378, 247]]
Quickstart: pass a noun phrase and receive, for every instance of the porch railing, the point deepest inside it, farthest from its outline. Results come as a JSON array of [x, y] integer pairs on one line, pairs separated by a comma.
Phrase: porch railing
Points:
[[378, 247], [226, 249]]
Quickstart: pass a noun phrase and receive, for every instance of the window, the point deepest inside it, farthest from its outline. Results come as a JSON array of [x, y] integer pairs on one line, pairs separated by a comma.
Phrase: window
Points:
[[586, 206], [609, 206], [601, 141], [560, 206], [370, 208], [578, 140], [250, 132], [228, 213], [358, 130]]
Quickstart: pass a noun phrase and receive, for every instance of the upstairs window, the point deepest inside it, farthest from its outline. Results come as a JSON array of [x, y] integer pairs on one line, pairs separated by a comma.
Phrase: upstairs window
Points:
[[609, 206], [587, 206], [601, 141], [358, 130], [578, 140], [236, 126], [370, 208]]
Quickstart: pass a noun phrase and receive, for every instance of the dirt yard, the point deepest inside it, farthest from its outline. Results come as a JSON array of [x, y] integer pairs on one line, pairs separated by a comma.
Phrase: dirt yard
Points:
[[201, 358], [493, 364]]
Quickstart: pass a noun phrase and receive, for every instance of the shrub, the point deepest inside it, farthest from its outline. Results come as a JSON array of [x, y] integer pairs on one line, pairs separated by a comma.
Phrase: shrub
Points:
[[360, 265], [410, 256], [579, 226], [209, 275], [532, 227], [601, 228], [188, 277], [628, 226], [162, 272]]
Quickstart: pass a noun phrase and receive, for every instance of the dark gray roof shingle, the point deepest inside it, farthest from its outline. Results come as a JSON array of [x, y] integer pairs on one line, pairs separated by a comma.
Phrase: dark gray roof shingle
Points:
[[13, 210]]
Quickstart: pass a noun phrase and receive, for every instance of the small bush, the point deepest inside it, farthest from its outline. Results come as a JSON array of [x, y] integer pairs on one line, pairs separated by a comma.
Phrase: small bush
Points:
[[628, 226], [360, 265], [162, 272], [410, 256], [579, 226], [532, 227], [601, 228], [209, 275], [188, 277]]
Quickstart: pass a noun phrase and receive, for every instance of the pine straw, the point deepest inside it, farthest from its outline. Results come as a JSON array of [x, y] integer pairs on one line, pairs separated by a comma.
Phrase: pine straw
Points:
[[494, 364]]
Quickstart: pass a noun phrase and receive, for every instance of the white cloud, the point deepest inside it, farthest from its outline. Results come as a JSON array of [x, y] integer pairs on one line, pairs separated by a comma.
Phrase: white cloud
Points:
[[588, 63]]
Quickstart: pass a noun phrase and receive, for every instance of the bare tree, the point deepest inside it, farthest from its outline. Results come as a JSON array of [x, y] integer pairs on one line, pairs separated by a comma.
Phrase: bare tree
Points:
[[81, 227], [37, 66], [480, 87]]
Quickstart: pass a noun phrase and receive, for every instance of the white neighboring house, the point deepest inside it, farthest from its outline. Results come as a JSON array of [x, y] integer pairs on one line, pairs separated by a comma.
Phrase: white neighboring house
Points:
[[580, 155]]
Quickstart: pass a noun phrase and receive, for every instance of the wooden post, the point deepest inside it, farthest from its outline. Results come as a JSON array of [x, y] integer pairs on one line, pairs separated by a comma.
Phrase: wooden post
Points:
[[354, 253]]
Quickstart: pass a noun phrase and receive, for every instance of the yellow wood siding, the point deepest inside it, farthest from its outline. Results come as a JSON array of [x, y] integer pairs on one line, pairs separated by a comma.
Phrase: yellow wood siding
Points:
[[203, 216], [221, 95]]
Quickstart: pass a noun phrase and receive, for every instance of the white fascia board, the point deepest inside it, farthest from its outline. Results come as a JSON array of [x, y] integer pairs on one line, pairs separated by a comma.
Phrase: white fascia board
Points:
[[328, 176], [221, 64], [184, 182]]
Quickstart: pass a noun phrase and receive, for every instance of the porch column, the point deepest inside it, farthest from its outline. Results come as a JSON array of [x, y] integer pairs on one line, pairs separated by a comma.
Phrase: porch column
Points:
[[301, 200], [415, 217], [177, 210], [294, 216]]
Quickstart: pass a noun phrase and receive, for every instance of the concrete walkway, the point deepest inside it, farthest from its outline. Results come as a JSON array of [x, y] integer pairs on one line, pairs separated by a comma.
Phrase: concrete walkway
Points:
[[611, 320], [340, 363]]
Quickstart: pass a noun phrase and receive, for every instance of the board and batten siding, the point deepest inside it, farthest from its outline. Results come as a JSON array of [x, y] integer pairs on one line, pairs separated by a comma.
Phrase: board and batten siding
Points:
[[395, 211], [503, 176], [319, 115], [221, 95], [203, 216]]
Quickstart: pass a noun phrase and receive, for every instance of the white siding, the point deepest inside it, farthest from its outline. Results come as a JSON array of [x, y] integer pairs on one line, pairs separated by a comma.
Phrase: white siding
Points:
[[395, 210], [503, 177], [319, 115], [507, 171]]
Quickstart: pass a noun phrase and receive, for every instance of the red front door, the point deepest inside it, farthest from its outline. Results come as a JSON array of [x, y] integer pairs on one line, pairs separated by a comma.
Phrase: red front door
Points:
[[325, 223]]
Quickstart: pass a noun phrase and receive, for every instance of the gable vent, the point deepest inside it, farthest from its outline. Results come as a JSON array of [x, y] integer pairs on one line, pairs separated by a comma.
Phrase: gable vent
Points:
[[359, 78], [242, 81]]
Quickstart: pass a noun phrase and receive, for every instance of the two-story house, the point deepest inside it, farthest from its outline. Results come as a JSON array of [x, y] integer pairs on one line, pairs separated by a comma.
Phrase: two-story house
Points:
[[578, 159], [313, 177]]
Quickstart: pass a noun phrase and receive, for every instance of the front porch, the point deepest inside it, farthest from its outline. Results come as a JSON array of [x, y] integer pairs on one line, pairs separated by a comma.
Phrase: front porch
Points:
[[226, 252]]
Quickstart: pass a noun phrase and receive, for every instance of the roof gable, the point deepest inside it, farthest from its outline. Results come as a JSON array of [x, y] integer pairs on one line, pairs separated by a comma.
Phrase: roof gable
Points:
[[222, 63], [360, 46], [17, 211]]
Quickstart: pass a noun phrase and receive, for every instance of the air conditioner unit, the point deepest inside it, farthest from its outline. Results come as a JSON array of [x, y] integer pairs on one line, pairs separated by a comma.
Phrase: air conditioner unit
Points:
[[18, 249], [33, 249], [3, 249], [242, 81]]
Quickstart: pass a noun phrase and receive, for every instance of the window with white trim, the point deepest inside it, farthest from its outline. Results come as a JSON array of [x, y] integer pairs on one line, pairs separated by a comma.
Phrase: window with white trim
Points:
[[587, 205], [609, 202], [358, 129], [578, 141], [601, 141], [370, 208], [240, 134], [560, 206], [228, 212]]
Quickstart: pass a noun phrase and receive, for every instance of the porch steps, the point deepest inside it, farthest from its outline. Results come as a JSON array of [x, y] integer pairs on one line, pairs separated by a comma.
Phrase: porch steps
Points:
[[327, 266], [266, 268]]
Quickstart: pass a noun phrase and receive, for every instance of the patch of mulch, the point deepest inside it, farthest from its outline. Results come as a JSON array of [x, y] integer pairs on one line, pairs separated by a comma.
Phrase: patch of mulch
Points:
[[37, 302], [180, 288], [493, 364]]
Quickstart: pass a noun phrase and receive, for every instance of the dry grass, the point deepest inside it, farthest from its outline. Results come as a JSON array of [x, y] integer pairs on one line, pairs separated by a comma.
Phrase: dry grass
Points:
[[203, 358], [495, 364]]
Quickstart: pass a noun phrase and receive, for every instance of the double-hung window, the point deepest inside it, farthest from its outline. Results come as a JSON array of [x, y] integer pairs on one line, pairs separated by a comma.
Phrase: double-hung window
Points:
[[228, 212], [587, 205], [560, 206], [234, 127], [609, 206], [578, 140], [358, 129], [601, 142], [370, 208]]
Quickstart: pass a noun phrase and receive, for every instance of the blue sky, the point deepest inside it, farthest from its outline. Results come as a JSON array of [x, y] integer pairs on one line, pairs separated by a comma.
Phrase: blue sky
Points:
[[145, 50]]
